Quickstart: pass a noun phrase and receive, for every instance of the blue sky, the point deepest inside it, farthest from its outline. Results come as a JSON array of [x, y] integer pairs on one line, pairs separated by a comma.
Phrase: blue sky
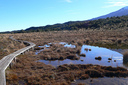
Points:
[[22, 14]]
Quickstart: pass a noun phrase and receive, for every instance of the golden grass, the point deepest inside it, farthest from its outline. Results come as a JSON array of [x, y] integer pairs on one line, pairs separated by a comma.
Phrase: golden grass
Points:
[[113, 38], [31, 72], [8, 46], [38, 73], [125, 57]]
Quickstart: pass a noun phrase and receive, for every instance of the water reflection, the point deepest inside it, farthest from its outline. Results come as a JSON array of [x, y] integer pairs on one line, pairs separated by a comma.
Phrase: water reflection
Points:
[[117, 58]]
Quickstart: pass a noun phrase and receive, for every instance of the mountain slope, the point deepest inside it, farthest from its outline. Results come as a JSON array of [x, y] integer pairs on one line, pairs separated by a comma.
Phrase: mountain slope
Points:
[[120, 22], [108, 23], [121, 12]]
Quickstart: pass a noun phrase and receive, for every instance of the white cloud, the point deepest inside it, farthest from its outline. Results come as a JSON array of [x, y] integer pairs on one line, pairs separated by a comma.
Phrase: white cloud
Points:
[[69, 1], [113, 3]]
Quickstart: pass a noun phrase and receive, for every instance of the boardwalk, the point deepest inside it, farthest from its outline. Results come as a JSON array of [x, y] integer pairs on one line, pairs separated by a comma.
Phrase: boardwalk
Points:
[[4, 62]]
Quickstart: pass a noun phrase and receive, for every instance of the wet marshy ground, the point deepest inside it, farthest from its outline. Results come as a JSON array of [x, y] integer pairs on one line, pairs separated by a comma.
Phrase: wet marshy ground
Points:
[[108, 57], [70, 65], [87, 56], [27, 71]]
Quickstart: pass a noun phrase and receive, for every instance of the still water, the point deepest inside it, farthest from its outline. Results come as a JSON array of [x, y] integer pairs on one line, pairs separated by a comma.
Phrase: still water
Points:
[[90, 57]]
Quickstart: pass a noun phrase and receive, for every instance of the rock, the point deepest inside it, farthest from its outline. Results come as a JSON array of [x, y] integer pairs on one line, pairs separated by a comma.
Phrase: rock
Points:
[[89, 49], [98, 58], [82, 60], [109, 58], [108, 61], [86, 49], [83, 55]]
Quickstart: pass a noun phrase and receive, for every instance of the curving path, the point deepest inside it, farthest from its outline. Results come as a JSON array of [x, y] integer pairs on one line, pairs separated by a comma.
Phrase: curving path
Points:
[[4, 62]]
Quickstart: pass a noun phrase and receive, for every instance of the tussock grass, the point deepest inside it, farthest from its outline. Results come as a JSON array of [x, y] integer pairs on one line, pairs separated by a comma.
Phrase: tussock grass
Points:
[[125, 57], [104, 38], [38, 73], [8, 46]]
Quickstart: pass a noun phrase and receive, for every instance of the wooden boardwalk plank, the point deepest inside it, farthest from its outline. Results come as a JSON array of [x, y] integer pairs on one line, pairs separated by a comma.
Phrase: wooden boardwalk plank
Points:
[[4, 62]]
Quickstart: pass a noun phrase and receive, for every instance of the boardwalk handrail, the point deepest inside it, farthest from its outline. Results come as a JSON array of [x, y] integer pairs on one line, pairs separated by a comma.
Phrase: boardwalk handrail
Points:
[[5, 61]]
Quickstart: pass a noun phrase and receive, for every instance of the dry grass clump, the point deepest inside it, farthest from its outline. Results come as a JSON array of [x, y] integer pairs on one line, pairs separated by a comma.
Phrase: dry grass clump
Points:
[[104, 38], [35, 73], [31, 72], [84, 76], [86, 71], [86, 49], [83, 55], [125, 57], [80, 84], [59, 52], [8, 46], [12, 77], [79, 43]]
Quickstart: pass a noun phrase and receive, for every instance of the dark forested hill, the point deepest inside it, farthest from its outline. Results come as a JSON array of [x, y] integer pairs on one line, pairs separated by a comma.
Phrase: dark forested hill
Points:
[[104, 22], [108, 23]]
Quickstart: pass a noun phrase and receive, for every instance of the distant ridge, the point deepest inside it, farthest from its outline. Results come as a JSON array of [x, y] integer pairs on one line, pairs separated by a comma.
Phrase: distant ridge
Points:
[[120, 12], [114, 20]]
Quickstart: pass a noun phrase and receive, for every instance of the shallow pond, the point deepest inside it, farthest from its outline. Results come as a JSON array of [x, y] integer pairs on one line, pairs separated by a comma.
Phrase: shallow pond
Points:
[[90, 59], [117, 58]]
